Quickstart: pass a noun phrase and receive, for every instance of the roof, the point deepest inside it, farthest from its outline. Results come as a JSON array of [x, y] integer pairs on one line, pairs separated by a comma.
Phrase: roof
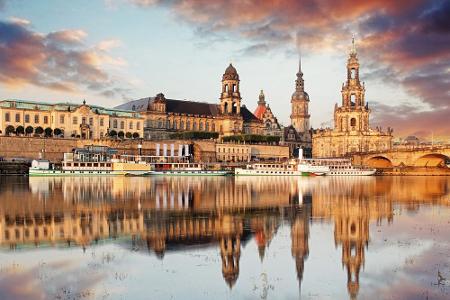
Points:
[[259, 111], [65, 106], [247, 115]]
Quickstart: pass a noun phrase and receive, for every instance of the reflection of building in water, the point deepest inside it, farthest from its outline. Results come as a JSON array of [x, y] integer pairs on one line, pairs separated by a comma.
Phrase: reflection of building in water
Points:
[[352, 206], [299, 237], [168, 214]]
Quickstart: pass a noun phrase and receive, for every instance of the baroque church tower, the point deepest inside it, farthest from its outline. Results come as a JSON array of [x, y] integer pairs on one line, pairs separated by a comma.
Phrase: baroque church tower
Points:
[[230, 98], [299, 106], [353, 115]]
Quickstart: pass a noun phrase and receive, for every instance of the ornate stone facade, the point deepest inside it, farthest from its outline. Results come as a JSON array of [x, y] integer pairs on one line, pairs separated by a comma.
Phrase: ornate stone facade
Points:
[[351, 132], [298, 134], [265, 114], [28, 118], [164, 116]]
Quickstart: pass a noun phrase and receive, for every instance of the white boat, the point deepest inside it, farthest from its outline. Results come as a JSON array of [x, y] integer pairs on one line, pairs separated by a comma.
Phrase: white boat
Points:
[[338, 166], [90, 161], [272, 169], [185, 169]]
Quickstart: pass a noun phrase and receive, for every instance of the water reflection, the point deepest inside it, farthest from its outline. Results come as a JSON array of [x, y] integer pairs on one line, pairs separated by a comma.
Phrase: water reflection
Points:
[[164, 215]]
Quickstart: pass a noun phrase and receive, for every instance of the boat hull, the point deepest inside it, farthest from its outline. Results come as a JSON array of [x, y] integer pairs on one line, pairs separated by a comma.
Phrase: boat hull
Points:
[[59, 173], [351, 172], [189, 173], [246, 172]]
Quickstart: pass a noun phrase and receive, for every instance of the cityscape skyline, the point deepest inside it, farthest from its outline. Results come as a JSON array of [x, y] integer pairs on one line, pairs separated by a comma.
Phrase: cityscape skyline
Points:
[[110, 51]]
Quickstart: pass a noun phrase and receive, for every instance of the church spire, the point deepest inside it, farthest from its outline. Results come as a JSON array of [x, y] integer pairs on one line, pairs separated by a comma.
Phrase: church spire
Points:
[[262, 98], [299, 83], [353, 49]]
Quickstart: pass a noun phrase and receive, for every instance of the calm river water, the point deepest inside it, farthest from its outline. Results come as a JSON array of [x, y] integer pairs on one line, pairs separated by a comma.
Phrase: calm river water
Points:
[[225, 238]]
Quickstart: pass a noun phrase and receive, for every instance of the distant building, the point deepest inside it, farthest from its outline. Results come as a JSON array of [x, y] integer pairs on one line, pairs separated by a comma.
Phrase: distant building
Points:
[[298, 134], [351, 132], [265, 114], [229, 117], [18, 117]]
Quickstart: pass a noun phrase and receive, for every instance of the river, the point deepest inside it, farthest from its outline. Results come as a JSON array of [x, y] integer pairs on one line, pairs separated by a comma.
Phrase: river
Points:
[[225, 238]]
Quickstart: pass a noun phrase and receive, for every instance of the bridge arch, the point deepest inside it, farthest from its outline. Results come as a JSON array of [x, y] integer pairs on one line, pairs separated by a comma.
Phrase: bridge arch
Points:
[[379, 161], [431, 160]]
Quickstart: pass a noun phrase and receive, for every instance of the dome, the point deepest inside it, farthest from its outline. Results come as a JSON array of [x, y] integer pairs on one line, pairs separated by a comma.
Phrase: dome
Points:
[[297, 95], [230, 73]]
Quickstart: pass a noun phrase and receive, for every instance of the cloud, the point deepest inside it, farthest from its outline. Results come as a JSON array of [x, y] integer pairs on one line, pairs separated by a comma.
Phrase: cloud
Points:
[[58, 60], [406, 43]]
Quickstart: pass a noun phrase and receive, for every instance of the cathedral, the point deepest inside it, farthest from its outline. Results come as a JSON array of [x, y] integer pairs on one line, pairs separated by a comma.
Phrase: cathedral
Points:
[[298, 134], [351, 132], [164, 116]]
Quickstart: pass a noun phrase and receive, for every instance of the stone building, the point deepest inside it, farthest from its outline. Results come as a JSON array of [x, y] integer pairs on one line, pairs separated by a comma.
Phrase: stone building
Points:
[[265, 114], [298, 134], [351, 132], [229, 117], [85, 121]]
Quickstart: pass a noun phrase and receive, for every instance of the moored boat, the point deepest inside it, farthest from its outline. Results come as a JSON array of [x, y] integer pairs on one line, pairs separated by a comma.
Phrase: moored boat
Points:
[[338, 166], [273, 169]]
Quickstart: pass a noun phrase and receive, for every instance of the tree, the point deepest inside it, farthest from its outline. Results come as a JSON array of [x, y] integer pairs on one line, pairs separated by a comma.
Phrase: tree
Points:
[[29, 130], [113, 133], [9, 130], [57, 132], [121, 134], [135, 135], [39, 130], [20, 130], [128, 135], [48, 132]]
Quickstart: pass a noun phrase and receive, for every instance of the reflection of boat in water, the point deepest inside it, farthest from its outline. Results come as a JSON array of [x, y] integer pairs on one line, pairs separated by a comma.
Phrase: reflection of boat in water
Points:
[[337, 166]]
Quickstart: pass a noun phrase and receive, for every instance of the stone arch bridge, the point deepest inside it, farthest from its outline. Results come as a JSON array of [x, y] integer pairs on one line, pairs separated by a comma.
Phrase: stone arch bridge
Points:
[[415, 157]]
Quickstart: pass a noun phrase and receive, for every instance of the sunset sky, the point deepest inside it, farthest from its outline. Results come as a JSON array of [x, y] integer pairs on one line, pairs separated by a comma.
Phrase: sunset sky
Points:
[[111, 51]]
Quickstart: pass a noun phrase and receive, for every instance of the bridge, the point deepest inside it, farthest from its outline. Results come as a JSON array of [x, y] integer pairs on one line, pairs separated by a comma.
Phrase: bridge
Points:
[[430, 156]]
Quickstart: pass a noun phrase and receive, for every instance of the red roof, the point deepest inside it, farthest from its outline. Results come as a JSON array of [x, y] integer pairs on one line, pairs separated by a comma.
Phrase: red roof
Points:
[[259, 112]]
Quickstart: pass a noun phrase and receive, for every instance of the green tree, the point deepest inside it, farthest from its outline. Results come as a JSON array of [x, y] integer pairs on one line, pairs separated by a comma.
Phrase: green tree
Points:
[[129, 135], [121, 134], [135, 135], [29, 130], [20, 130], [39, 130], [113, 133], [9, 130], [48, 132], [57, 132]]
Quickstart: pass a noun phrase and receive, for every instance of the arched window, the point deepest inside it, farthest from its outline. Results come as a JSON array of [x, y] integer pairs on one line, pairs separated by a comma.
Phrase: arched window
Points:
[[226, 88], [175, 124], [213, 127], [115, 123], [225, 107], [122, 125], [188, 125], [206, 126], [182, 125], [7, 119], [353, 73], [234, 88], [353, 122], [168, 124], [352, 99], [194, 126], [200, 126]]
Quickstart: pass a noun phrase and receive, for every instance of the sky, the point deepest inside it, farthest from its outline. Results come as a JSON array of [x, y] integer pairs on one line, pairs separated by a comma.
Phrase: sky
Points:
[[112, 51]]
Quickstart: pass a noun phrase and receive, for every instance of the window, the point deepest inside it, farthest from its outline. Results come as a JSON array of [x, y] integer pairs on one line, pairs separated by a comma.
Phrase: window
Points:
[[122, 125], [234, 88], [75, 121], [207, 126], [36, 118], [17, 117], [45, 120], [102, 122], [200, 126], [194, 126], [27, 118], [91, 121], [61, 119], [130, 125], [83, 120], [352, 122], [188, 125], [160, 124], [213, 127], [7, 117], [353, 73], [115, 123], [182, 125], [168, 124], [138, 125], [175, 124]]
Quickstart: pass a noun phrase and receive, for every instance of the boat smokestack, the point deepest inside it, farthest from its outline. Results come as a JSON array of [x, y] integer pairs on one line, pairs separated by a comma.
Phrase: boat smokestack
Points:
[[300, 153]]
